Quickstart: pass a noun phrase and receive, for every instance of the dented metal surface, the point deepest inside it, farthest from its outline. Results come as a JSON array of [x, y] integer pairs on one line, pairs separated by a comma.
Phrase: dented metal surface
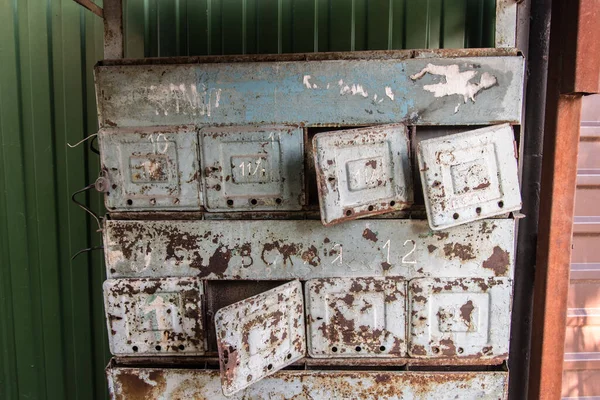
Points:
[[469, 176], [362, 172], [464, 317], [260, 335], [150, 169], [253, 168], [163, 384], [270, 250], [346, 92], [155, 316], [356, 317]]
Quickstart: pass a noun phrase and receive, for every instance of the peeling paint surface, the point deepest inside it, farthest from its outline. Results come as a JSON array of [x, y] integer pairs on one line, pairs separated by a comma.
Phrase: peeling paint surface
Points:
[[260, 335], [304, 249], [362, 172], [346, 92], [469, 176], [151, 169], [197, 384], [356, 317], [154, 317], [253, 168], [464, 317], [456, 82]]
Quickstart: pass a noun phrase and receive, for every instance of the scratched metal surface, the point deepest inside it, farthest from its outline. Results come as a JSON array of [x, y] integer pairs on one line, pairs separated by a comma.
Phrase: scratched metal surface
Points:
[[362, 172], [305, 249], [356, 317], [469, 176], [153, 169], [154, 317], [260, 335], [162, 384], [447, 91], [253, 168], [465, 317]]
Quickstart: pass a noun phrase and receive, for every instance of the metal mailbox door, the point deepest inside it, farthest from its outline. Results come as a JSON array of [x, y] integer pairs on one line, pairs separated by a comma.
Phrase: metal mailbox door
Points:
[[356, 317], [362, 172], [155, 317], [151, 168], [253, 168], [260, 335]]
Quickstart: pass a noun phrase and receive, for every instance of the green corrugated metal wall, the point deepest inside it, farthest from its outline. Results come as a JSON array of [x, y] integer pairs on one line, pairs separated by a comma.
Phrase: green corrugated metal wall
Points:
[[52, 331]]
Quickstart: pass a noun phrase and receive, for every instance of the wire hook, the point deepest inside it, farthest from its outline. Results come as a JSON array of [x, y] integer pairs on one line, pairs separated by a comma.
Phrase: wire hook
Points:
[[81, 141], [84, 207]]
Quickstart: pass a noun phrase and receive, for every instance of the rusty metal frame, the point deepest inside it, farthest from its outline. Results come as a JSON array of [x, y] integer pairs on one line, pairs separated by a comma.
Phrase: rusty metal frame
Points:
[[572, 72]]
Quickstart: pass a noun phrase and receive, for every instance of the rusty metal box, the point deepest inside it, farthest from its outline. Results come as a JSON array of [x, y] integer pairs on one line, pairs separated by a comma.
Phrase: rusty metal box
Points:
[[253, 168]]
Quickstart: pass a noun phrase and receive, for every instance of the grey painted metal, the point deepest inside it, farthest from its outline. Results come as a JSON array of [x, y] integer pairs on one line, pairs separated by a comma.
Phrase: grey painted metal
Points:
[[465, 317], [260, 335], [155, 317], [356, 317], [425, 90], [469, 176], [275, 249], [506, 23], [163, 384], [153, 169], [253, 168], [362, 172]]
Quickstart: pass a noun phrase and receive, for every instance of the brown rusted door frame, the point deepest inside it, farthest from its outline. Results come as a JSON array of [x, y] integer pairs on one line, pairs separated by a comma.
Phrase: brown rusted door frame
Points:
[[573, 72]]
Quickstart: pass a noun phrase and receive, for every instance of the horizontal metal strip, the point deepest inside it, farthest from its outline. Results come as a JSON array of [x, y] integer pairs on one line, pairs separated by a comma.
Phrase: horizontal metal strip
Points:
[[425, 91], [272, 250], [179, 383]]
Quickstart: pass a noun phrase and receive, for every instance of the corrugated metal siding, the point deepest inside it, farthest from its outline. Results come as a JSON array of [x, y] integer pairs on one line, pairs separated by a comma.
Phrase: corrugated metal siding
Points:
[[581, 376], [52, 330]]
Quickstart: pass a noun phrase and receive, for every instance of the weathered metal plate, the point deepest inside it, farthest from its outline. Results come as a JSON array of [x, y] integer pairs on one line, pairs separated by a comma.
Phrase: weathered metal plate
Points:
[[469, 176], [260, 335], [276, 249], [459, 317], [356, 317], [432, 90], [163, 384], [362, 172], [151, 169], [154, 316], [253, 168]]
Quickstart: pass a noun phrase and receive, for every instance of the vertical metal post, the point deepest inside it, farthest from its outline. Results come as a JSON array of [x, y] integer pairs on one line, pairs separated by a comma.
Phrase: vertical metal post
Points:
[[572, 72], [506, 23], [113, 29]]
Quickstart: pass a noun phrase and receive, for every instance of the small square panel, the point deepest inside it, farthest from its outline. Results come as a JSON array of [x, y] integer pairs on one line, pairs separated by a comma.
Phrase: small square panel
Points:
[[469, 176], [459, 317], [151, 169], [253, 168], [356, 317], [362, 172], [260, 335], [154, 317]]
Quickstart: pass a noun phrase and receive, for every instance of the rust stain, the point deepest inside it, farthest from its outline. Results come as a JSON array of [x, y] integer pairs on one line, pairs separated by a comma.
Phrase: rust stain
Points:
[[370, 235], [448, 348], [462, 251], [431, 248], [499, 261], [466, 310], [372, 164], [418, 350]]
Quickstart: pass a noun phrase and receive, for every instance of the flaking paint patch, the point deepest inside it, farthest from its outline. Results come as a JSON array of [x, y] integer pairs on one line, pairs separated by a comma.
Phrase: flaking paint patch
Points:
[[457, 82]]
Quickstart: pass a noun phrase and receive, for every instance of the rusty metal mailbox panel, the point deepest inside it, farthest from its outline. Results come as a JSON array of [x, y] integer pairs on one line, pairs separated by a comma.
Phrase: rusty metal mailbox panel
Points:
[[356, 317], [283, 250], [127, 383], [464, 317], [151, 168], [469, 176], [260, 335], [362, 172], [253, 168], [154, 317]]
